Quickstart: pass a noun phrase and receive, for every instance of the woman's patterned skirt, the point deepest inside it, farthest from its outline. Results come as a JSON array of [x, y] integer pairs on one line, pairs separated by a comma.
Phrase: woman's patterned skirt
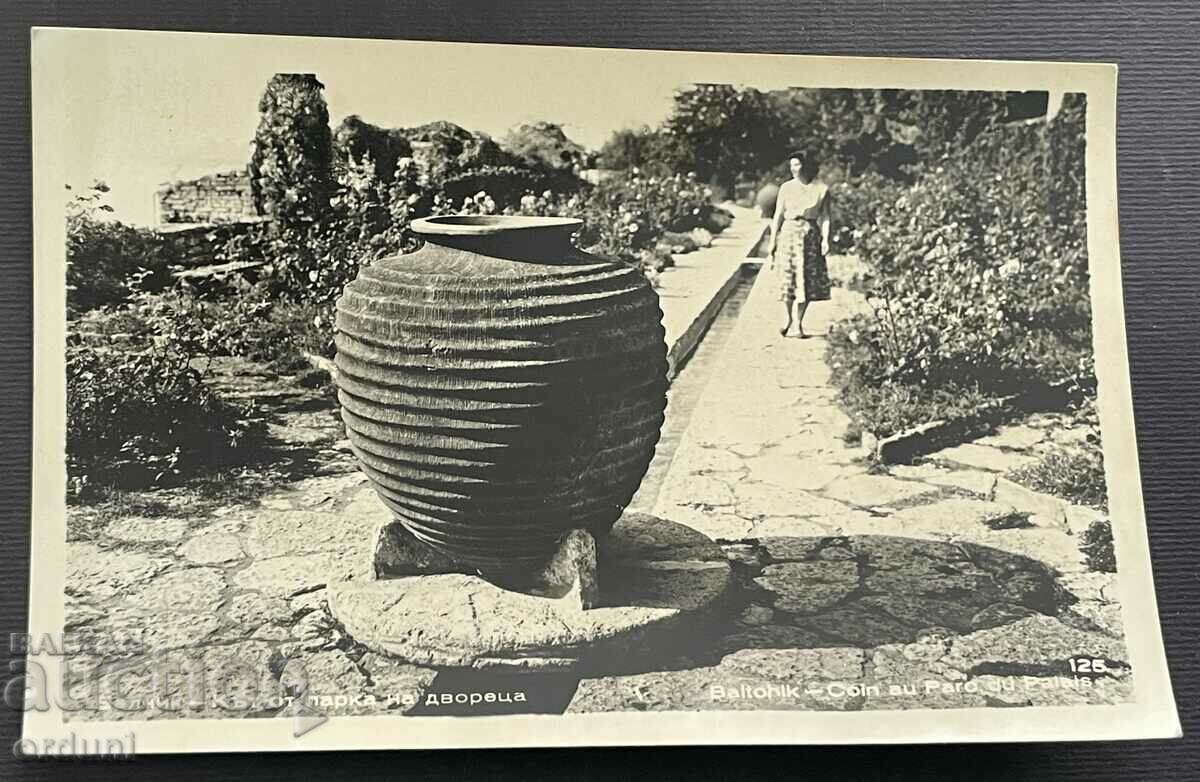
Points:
[[803, 273]]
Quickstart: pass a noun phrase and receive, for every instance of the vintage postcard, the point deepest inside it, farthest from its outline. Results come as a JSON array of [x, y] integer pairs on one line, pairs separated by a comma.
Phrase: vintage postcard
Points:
[[399, 394]]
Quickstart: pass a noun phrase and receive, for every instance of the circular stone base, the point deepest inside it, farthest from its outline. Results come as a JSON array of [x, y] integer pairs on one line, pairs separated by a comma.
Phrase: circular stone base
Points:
[[654, 576]]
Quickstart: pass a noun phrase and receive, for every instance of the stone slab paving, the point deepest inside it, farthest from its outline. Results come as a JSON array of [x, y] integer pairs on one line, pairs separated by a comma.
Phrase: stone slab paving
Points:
[[231, 610], [864, 588], [221, 612]]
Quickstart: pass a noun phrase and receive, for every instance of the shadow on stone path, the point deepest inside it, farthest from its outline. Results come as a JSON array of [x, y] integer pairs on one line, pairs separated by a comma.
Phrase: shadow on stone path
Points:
[[304, 435]]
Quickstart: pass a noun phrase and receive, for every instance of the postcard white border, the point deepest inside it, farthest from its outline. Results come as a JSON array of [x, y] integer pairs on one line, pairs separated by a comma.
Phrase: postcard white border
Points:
[[1152, 715]]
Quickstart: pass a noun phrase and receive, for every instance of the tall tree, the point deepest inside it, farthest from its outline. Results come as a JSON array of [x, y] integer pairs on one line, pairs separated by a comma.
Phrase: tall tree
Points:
[[893, 132], [730, 132], [290, 169], [944, 121], [821, 122], [643, 147]]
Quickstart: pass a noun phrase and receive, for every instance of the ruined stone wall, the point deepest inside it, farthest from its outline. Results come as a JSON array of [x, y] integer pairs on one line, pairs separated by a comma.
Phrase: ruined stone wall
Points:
[[216, 198]]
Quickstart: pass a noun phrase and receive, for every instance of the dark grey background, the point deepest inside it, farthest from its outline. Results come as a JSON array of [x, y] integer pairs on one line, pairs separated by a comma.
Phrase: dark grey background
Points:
[[1155, 44]]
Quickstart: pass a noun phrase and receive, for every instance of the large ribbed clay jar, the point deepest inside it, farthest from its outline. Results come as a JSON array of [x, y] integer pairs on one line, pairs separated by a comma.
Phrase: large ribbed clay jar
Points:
[[501, 387]]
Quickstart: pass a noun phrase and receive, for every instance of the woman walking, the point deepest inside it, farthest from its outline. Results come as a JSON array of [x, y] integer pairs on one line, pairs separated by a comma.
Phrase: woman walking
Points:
[[800, 239]]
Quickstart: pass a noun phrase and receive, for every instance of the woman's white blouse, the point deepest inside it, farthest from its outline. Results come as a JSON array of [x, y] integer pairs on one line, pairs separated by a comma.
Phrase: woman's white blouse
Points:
[[797, 199]]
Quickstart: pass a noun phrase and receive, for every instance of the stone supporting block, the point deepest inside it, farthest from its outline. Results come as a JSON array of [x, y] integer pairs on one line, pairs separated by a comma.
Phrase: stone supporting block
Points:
[[397, 553], [571, 572]]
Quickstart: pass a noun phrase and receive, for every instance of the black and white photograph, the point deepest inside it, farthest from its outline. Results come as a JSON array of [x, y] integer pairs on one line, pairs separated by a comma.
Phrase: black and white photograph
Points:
[[397, 393]]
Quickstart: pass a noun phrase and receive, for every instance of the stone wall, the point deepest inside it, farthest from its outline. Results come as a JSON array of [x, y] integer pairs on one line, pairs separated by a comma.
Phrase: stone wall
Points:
[[216, 198], [200, 244]]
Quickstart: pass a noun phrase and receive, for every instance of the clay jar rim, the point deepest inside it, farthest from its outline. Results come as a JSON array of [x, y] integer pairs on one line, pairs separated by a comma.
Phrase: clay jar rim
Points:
[[491, 225], [510, 237]]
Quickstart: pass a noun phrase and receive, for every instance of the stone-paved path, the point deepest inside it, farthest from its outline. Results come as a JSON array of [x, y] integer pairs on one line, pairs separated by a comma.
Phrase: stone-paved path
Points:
[[915, 580], [867, 589], [235, 603], [763, 454]]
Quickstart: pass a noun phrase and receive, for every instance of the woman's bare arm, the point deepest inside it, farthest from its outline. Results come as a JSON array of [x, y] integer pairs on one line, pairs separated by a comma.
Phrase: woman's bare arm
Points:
[[776, 221], [826, 212]]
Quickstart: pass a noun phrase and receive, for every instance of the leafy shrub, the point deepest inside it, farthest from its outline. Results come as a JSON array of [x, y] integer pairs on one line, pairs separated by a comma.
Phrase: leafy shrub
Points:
[[726, 131], [250, 325], [890, 408], [979, 274], [447, 149], [276, 332], [105, 257], [507, 184], [1097, 546], [369, 219], [314, 252], [145, 319], [138, 410], [895, 133], [625, 216], [645, 208], [872, 144], [140, 418]]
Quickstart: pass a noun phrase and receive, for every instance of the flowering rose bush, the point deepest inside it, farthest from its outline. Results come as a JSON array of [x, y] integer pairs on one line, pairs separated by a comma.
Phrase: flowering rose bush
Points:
[[507, 184], [479, 204], [979, 276], [857, 206], [625, 216]]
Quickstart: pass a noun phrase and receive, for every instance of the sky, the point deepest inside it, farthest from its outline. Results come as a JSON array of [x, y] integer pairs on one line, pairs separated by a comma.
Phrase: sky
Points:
[[144, 109]]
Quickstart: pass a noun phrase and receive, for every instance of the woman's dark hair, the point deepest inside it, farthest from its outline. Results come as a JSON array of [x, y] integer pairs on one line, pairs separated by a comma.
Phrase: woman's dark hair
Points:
[[808, 164]]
